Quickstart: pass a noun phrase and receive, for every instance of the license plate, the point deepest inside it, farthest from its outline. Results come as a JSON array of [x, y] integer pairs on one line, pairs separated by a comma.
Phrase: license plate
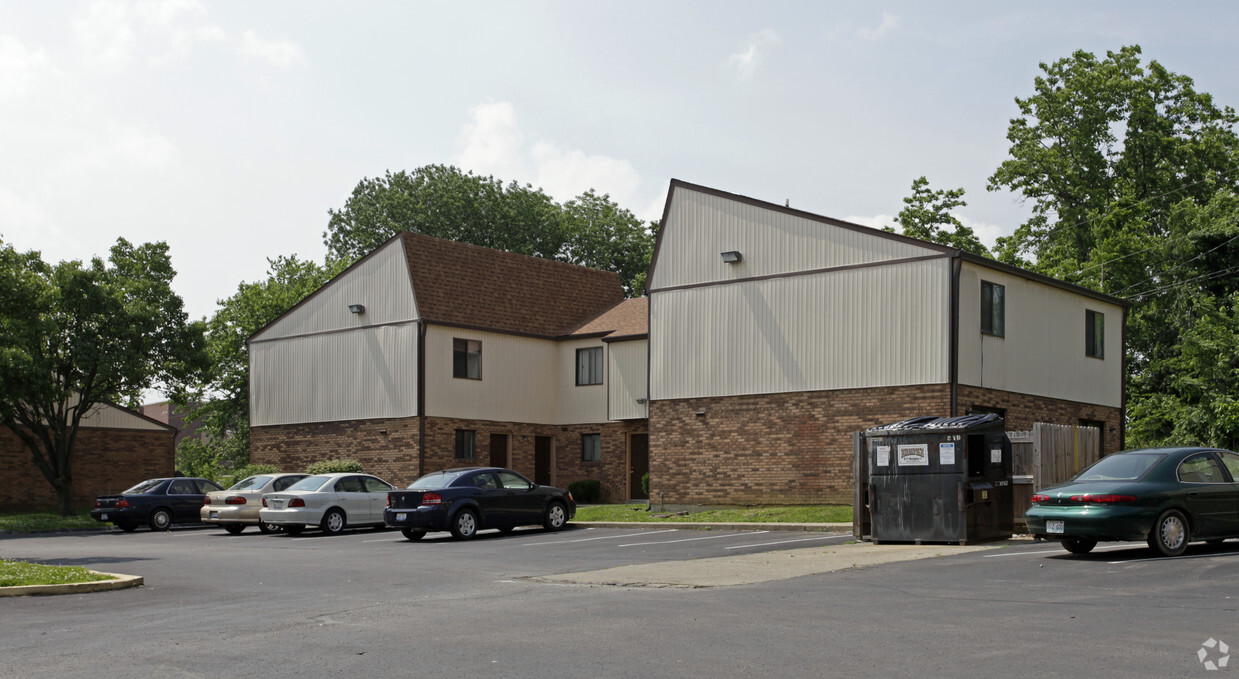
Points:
[[401, 517], [103, 517], [277, 504], [214, 515], [1054, 526]]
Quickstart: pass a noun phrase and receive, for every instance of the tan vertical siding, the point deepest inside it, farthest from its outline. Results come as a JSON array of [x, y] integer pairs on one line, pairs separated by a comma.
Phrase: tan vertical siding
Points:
[[583, 404], [107, 416], [380, 283], [519, 378], [865, 327], [1042, 351], [700, 226], [627, 380], [360, 374]]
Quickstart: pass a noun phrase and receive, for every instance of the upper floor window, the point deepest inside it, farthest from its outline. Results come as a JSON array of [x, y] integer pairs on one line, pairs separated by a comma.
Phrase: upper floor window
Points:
[[1094, 334], [993, 309], [467, 359], [589, 366]]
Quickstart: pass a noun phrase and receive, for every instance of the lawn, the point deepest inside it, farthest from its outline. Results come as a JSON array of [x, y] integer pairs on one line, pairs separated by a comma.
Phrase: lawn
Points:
[[18, 573], [799, 514], [45, 522]]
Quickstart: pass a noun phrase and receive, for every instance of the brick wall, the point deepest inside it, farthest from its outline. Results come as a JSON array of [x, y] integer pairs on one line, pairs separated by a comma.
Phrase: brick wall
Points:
[[1023, 410], [388, 448], [105, 461]]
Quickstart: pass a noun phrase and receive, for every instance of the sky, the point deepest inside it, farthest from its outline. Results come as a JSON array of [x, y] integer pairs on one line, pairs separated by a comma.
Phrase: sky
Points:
[[229, 129]]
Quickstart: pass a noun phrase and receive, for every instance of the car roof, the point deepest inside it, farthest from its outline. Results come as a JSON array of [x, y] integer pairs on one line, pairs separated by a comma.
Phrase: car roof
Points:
[[1169, 450]]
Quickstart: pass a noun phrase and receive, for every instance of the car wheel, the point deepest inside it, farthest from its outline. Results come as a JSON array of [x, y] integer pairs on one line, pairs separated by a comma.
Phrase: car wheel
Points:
[[413, 533], [294, 529], [333, 522], [1170, 534], [556, 517], [268, 528], [127, 526], [464, 524], [1079, 545], [234, 528], [160, 519]]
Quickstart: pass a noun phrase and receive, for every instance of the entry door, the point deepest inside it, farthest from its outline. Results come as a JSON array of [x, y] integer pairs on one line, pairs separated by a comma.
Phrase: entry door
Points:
[[499, 450], [638, 464], [542, 460]]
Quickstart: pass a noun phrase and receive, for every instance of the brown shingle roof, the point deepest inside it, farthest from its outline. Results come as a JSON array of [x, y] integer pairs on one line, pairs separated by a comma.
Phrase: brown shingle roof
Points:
[[468, 285], [629, 318]]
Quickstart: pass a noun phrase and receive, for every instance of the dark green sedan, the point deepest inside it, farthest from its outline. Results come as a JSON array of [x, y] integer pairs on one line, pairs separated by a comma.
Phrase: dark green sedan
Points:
[[1166, 496]]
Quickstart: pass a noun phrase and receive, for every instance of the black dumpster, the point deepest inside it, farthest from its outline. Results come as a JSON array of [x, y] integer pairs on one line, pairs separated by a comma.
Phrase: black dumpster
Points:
[[939, 479]]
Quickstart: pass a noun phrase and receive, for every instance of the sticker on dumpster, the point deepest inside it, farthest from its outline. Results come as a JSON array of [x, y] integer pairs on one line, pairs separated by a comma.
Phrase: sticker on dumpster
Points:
[[914, 455], [946, 453], [884, 456], [995, 456]]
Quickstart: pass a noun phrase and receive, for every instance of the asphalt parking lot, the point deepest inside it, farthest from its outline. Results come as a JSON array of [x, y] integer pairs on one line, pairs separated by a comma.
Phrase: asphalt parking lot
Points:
[[371, 603]]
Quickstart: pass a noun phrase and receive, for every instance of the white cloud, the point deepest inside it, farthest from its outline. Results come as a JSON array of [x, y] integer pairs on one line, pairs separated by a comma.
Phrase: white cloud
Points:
[[567, 173], [889, 22], [279, 53], [21, 69], [22, 220], [490, 143], [745, 61], [117, 147]]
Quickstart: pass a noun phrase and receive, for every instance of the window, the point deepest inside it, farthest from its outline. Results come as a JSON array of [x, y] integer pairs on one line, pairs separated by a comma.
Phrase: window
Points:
[[467, 359], [1201, 468], [589, 366], [1094, 334], [993, 309], [591, 447], [465, 439]]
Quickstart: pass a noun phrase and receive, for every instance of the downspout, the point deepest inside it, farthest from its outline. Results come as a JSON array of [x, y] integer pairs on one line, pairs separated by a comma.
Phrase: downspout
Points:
[[421, 398], [957, 265]]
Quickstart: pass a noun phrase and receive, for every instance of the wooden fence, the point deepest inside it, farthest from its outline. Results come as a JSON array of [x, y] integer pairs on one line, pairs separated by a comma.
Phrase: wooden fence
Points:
[[1048, 455]]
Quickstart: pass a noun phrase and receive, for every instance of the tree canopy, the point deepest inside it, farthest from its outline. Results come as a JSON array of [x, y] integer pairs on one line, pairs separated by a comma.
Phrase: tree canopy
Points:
[[927, 214], [74, 335]]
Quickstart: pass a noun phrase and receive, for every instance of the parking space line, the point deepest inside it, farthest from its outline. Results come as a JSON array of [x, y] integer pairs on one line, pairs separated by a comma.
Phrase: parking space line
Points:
[[1174, 558], [1125, 545], [784, 542], [602, 537], [710, 537]]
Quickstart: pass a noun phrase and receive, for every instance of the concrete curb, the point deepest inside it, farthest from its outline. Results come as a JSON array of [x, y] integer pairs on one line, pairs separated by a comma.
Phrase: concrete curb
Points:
[[121, 582], [694, 525]]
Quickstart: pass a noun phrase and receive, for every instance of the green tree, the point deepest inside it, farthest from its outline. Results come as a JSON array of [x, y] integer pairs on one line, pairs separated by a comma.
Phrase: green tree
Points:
[[927, 214], [74, 336], [222, 398], [603, 235]]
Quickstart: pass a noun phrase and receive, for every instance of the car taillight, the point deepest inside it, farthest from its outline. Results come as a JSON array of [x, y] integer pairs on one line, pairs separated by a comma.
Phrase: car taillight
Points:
[[431, 499], [97, 503], [296, 502], [1103, 499], [389, 499], [234, 500], [1040, 498], [264, 502], [206, 499], [122, 503]]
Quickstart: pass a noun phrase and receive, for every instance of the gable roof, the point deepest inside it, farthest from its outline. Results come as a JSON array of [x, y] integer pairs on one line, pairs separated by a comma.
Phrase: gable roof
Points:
[[630, 319], [472, 286]]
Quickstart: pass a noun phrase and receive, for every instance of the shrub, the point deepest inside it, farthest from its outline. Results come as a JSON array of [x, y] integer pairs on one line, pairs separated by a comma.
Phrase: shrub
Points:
[[586, 490], [334, 466], [645, 484]]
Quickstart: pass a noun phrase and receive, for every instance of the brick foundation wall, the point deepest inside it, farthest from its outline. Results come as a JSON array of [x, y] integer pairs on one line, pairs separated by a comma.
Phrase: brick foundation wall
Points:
[[105, 461], [393, 455], [796, 448]]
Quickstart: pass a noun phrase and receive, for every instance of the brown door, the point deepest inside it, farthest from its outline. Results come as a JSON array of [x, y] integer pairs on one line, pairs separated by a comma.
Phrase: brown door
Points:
[[638, 464], [499, 450], [542, 460]]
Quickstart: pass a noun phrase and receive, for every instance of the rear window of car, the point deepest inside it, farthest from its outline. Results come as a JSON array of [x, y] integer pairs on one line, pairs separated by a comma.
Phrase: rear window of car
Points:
[[310, 483], [1120, 468], [436, 480], [146, 486], [250, 483]]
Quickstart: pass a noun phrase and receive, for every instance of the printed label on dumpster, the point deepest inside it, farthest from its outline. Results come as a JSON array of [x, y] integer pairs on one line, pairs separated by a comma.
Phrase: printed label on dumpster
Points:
[[995, 456], [914, 455], [946, 453], [883, 454]]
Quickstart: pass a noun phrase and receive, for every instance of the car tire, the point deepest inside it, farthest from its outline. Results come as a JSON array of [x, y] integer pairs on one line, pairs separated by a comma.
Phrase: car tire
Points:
[[234, 528], [267, 528], [464, 524], [1170, 533], [333, 522], [294, 529], [127, 526], [1079, 545], [556, 516], [413, 533], [160, 519]]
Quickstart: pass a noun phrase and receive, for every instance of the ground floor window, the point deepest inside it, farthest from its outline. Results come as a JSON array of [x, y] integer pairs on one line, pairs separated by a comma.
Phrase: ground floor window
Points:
[[465, 444], [591, 447]]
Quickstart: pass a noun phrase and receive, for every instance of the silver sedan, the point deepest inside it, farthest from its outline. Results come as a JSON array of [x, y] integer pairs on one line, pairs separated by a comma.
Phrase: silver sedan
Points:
[[331, 502]]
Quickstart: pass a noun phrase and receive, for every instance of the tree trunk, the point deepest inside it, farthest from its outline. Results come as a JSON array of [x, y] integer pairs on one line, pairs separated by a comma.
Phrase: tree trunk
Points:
[[64, 499]]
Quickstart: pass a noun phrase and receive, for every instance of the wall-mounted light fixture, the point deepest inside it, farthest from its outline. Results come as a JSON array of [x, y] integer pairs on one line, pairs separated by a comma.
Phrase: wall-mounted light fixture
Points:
[[701, 413], [641, 401], [383, 432], [732, 256], [357, 308]]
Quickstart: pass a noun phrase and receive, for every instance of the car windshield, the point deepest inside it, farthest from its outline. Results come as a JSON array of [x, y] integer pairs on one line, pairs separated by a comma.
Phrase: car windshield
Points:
[[436, 480], [250, 483], [1120, 468], [310, 483], [145, 486]]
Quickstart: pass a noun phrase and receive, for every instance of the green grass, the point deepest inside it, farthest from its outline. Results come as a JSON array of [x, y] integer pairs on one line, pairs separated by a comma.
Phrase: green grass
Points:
[[18, 573], [801, 514], [45, 522]]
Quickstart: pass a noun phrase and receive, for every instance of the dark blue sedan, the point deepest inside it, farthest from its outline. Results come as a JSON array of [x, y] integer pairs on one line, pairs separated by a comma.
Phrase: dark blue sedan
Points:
[[467, 500], [158, 503]]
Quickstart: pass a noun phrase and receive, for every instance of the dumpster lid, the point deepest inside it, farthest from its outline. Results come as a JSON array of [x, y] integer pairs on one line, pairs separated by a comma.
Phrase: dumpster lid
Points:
[[941, 423]]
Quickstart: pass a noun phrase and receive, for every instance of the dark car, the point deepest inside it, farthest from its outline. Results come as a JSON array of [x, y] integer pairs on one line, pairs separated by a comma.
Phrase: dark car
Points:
[[467, 500], [158, 503], [1166, 496]]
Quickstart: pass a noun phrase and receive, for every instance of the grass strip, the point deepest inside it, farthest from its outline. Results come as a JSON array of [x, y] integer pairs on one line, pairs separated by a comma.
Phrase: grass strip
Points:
[[43, 522], [21, 573]]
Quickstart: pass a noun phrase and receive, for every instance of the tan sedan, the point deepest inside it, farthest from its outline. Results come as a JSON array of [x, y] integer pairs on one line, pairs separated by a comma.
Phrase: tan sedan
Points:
[[237, 507]]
